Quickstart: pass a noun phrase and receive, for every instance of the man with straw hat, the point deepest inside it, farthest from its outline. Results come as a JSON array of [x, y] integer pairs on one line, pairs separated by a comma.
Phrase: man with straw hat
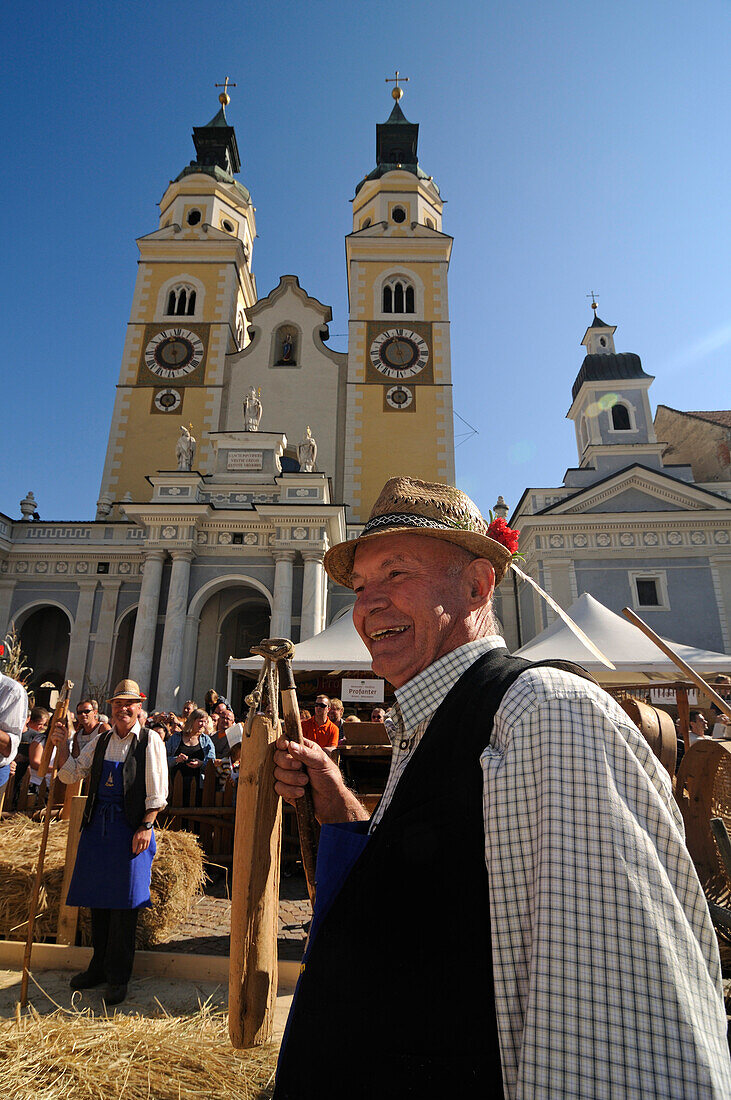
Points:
[[520, 916], [128, 786]]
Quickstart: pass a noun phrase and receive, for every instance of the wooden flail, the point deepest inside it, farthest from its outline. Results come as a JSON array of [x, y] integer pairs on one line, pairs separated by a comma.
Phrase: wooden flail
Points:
[[257, 841], [60, 716]]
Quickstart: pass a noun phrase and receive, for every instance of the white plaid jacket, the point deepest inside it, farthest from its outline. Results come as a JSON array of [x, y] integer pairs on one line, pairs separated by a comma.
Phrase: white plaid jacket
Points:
[[607, 975]]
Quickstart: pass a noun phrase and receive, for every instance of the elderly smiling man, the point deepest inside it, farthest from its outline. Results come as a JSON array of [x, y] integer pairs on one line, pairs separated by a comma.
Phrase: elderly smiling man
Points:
[[520, 917]]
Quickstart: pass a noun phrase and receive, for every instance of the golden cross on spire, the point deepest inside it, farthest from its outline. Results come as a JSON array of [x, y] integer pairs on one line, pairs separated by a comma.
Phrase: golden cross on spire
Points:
[[224, 99], [397, 92], [593, 295]]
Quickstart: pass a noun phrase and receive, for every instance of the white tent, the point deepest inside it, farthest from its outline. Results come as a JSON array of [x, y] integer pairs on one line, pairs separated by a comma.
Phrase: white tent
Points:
[[337, 647], [636, 657]]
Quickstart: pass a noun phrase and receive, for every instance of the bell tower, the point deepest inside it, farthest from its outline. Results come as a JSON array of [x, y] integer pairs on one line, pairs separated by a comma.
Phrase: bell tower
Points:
[[399, 392], [194, 283]]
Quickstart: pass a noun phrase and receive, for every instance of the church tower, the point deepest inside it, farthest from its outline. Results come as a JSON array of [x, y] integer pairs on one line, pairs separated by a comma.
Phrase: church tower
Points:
[[610, 405], [399, 399], [194, 283]]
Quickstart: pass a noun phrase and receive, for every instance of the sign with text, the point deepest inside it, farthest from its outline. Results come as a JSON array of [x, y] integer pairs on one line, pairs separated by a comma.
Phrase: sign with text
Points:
[[362, 691], [244, 460]]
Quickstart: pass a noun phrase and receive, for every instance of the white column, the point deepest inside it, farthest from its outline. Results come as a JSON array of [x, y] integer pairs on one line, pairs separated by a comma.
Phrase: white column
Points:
[[312, 594], [7, 587], [79, 640], [281, 625], [105, 632], [143, 643], [190, 653], [171, 658]]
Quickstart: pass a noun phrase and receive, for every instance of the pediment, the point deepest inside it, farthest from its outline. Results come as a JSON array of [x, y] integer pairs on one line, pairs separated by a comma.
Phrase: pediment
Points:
[[639, 489]]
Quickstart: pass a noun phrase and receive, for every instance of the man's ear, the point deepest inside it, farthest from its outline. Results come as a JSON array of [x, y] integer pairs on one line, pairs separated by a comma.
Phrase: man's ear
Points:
[[480, 577]]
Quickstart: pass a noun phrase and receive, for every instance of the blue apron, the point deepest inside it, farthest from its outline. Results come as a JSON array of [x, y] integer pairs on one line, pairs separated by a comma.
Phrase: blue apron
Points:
[[339, 848], [4, 775], [106, 874]]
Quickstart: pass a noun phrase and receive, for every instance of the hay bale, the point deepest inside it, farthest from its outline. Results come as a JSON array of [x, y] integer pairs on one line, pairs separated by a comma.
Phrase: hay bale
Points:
[[177, 879], [75, 1055]]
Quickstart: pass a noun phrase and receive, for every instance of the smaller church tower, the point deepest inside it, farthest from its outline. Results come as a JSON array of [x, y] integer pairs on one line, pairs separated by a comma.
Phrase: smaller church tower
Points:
[[611, 405], [194, 284], [399, 388]]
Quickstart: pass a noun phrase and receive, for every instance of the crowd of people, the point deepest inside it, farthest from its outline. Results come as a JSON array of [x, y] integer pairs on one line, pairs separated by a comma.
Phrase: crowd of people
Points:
[[199, 735]]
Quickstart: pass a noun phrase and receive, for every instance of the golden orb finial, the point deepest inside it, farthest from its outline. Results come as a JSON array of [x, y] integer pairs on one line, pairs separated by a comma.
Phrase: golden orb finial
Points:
[[224, 99], [396, 91]]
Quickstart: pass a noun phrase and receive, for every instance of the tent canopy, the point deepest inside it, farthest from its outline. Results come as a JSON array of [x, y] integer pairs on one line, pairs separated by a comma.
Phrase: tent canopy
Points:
[[337, 647], [636, 657]]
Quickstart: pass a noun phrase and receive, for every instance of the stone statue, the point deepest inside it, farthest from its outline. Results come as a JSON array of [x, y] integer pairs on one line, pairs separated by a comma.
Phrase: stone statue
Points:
[[185, 448], [104, 505], [307, 453], [252, 410], [287, 347]]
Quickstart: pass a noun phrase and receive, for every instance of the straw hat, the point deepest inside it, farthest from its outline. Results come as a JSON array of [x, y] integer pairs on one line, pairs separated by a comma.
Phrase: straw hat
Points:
[[407, 506], [129, 690]]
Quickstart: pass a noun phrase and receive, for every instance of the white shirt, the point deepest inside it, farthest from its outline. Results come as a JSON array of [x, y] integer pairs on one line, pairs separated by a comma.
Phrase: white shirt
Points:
[[607, 979], [156, 764], [13, 713]]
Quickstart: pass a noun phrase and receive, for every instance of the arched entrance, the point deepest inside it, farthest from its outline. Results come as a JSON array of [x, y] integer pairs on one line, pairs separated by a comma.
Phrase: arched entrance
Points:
[[44, 638], [231, 621]]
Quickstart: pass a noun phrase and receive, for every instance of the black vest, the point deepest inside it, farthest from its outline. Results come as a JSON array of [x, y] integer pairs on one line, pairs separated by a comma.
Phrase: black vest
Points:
[[133, 779], [396, 998]]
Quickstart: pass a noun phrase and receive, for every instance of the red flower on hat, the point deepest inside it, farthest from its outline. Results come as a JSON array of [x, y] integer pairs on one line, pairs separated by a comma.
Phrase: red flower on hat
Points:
[[142, 695], [506, 536]]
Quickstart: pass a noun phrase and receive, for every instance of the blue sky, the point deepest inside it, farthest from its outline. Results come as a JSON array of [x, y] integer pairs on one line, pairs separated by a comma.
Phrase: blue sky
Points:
[[578, 146]]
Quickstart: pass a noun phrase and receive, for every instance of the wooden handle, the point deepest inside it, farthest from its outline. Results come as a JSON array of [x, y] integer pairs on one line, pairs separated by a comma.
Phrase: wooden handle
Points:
[[307, 824], [677, 660], [59, 715], [252, 982]]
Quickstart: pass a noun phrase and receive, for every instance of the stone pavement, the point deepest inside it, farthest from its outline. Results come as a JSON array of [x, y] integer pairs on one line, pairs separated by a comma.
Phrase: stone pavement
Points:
[[206, 930]]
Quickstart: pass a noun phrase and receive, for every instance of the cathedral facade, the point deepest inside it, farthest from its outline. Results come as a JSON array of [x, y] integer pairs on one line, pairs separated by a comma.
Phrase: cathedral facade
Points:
[[241, 446]]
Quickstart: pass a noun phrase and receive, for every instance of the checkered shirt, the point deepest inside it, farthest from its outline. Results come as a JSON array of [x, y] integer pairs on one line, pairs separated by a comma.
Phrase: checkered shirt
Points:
[[606, 968]]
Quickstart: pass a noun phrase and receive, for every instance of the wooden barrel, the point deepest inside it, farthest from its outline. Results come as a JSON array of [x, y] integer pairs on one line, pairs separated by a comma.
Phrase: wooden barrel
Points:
[[703, 791], [657, 728]]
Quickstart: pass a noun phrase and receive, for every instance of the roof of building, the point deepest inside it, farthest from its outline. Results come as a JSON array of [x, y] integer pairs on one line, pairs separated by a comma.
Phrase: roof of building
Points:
[[217, 153], [608, 368], [397, 148], [719, 416]]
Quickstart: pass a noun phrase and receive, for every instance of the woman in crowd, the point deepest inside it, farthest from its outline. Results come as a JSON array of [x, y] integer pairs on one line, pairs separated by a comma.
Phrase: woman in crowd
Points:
[[189, 752]]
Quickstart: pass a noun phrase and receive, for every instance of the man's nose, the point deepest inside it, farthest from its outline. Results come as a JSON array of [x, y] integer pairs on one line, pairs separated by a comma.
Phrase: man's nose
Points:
[[372, 597]]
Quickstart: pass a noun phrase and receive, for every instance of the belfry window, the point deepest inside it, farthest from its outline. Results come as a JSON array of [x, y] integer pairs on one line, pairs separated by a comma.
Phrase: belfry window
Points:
[[398, 297], [181, 301], [620, 418]]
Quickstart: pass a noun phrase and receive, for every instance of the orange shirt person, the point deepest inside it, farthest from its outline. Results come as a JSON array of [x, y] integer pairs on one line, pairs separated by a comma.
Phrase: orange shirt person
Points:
[[320, 728]]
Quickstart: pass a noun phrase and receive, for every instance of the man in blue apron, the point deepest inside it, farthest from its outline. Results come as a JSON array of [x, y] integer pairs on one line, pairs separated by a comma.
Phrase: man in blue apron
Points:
[[519, 917], [128, 786], [13, 713]]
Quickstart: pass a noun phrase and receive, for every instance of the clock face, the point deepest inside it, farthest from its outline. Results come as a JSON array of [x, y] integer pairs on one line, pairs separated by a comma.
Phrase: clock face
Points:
[[399, 353], [174, 352], [167, 400]]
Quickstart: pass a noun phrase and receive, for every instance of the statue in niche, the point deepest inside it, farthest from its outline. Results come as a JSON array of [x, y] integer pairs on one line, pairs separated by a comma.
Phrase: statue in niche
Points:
[[287, 357], [252, 410], [307, 453], [185, 448]]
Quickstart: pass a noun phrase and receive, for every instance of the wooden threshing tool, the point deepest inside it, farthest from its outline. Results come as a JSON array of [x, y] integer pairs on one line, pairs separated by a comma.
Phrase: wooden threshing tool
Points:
[[59, 715], [257, 840]]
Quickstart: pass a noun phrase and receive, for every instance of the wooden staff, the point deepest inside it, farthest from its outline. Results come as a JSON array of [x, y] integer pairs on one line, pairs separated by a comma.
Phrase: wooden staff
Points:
[[252, 979], [281, 650], [684, 667], [59, 714]]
